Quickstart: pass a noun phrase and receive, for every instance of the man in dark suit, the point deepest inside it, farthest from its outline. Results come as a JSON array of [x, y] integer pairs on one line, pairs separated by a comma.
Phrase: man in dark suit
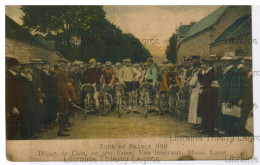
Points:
[[38, 85], [50, 90], [29, 104], [208, 97], [13, 97], [230, 92], [246, 102], [66, 94]]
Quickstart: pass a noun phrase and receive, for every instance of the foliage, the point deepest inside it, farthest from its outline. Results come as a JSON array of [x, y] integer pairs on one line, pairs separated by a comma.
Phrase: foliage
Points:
[[171, 51], [82, 32]]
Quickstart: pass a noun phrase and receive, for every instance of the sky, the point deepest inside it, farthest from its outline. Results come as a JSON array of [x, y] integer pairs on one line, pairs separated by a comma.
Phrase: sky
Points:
[[152, 25]]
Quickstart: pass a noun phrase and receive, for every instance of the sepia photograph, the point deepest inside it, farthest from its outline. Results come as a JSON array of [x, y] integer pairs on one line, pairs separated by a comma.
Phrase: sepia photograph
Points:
[[128, 83]]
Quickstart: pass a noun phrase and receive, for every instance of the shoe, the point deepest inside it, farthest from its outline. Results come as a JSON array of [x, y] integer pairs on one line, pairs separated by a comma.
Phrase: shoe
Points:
[[63, 134]]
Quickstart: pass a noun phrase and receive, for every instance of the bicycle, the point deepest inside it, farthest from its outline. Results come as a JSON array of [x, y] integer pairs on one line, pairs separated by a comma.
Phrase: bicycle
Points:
[[172, 99], [105, 100], [87, 96], [146, 89], [119, 92]]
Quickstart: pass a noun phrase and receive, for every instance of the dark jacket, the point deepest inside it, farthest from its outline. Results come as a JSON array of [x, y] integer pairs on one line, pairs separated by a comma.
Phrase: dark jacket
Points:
[[230, 86]]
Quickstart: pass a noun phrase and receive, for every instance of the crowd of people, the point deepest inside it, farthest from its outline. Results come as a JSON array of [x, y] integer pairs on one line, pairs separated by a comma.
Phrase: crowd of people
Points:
[[38, 95]]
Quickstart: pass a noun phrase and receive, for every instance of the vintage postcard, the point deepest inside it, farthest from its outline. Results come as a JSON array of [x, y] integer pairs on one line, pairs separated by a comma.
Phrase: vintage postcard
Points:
[[129, 83]]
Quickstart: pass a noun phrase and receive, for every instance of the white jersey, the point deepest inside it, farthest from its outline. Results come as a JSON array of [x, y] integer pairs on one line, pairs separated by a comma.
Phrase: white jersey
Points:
[[128, 74]]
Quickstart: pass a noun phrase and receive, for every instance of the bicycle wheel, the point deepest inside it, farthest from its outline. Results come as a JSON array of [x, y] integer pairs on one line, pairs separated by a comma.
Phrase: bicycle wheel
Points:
[[106, 107], [119, 105]]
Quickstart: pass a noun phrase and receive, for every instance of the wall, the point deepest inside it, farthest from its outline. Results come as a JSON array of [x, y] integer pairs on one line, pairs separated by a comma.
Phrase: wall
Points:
[[244, 43], [229, 16], [199, 45], [25, 51]]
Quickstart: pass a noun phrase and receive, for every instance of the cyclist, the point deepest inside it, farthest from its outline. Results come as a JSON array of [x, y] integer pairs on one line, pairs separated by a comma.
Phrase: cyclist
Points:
[[117, 70], [128, 75], [108, 74], [93, 76], [169, 78]]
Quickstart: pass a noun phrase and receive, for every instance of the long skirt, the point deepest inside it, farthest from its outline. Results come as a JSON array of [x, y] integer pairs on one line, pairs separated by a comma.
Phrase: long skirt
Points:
[[193, 117]]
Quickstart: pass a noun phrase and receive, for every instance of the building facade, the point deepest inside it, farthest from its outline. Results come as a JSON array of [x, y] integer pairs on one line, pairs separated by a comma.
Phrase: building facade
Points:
[[22, 45], [200, 38]]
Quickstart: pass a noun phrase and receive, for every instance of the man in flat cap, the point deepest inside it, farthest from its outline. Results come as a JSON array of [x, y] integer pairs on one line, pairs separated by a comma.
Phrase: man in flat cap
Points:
[[93, 76], [108, 75], [208, 96], [129, 75], [30, 102], [38, 84], [13, 97], [229, 93], [50, 90], [117, 69], [169, 78], [66, 94], [152, 72]]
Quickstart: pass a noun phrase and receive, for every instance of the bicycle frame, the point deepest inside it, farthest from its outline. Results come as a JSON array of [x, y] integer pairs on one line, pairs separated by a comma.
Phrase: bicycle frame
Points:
[[119, 87]]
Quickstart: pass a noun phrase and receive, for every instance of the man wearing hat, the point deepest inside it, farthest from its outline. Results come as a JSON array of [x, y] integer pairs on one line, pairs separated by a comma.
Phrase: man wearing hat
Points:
[[76, 76], [108, 75], [93, 73], [50, 90], [246, 102], [66, 94], [98, 64], [162, 68], [30, 102], [117, 69], [208, 96], [195, 59], [169, 78], [13, 97], [38, 84], [213, 57], [128, 76], [152, 72], [229, 93], [137, 66], [93, 76]]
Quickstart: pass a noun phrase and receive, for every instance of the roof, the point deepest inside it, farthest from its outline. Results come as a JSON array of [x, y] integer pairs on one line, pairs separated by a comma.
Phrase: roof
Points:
[[206, 22], [242, 25], [17, 32], [184, 29], [22, 45]]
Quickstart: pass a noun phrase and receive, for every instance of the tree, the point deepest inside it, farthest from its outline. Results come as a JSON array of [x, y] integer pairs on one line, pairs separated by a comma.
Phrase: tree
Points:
[[171, 51], [82, 32], [137, 52]]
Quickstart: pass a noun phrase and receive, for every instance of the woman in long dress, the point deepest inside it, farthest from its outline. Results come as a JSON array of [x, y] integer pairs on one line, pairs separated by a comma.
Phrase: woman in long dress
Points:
[[193, 117]]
